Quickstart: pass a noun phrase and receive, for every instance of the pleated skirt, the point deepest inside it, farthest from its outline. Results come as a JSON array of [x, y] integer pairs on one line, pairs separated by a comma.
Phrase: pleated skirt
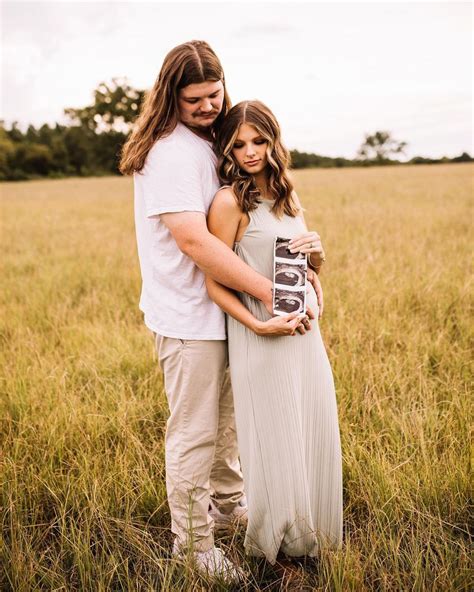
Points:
[[289, 441]]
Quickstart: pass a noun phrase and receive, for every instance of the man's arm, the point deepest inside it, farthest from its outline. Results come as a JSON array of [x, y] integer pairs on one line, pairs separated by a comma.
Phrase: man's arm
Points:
[[214, 258], [223, 221]]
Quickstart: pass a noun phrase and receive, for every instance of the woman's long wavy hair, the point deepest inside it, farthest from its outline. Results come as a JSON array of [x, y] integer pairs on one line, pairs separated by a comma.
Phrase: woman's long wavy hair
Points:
[[258, 115], [190, 63]]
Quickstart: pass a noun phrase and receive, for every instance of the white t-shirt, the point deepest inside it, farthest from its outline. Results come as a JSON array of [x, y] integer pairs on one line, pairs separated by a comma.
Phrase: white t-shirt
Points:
[[179, 176]]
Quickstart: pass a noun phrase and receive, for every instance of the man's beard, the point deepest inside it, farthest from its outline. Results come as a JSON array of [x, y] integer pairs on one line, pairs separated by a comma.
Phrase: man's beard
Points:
[[213, 113], [200, 123]]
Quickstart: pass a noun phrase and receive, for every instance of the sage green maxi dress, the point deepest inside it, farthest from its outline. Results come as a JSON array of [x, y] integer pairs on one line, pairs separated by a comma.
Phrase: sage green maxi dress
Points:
[[286, 417]]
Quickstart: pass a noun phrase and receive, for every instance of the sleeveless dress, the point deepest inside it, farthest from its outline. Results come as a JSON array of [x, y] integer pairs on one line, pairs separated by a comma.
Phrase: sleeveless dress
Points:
[[286, 417]]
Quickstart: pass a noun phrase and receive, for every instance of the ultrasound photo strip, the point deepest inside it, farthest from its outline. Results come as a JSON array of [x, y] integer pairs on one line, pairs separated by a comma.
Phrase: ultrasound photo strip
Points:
[[290, 275], [286, 301], [289, 279], [282, 250]]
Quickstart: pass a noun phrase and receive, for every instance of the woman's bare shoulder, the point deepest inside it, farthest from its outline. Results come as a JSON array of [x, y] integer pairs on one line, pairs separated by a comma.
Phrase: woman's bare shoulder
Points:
[[296, 201], [225, 198]]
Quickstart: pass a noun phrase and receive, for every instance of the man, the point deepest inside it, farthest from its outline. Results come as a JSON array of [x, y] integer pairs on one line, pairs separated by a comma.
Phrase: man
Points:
[[170, 154]]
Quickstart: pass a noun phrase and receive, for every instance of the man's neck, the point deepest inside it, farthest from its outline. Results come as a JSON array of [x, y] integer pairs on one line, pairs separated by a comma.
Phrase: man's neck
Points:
[[204, 133]]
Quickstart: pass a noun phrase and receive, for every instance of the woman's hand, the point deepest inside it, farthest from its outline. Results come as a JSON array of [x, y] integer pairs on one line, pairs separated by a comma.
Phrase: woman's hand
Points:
[[286, 325], [314, 281], [308, 242]]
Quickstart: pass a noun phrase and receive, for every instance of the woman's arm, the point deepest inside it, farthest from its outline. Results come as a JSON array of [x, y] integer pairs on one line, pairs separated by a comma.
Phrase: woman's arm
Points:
[[309, 242], [223, 221], [316, 248], [230, 304]]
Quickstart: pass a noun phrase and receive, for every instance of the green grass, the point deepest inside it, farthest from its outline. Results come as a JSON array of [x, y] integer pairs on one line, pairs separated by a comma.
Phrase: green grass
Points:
[[83, 413]]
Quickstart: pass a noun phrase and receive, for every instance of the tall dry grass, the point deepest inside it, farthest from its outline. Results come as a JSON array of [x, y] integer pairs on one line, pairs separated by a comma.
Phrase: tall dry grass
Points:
[[83, 500]]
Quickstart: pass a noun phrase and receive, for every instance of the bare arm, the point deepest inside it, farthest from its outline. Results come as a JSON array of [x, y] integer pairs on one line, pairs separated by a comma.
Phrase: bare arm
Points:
[[228, 301], [214, 258], [302, 242], [223, 221], [317, 248]]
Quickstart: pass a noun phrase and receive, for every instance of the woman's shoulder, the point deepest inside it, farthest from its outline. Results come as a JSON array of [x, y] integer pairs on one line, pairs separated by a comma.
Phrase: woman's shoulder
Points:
[[224, 212], [296, 201], [226, 198]]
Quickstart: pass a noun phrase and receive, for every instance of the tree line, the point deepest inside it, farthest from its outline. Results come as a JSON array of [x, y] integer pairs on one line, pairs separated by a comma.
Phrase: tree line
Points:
[[91, 140]]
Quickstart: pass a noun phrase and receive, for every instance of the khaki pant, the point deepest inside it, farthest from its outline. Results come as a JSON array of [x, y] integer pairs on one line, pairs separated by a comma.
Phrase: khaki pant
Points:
[[201, 444]]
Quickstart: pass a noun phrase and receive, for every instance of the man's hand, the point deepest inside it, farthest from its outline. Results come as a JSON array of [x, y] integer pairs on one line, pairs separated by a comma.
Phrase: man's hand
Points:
[[314, 280]]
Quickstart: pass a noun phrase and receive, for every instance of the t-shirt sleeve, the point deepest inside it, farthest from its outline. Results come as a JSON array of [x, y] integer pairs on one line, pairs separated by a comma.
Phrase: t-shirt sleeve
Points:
[[171, 181]]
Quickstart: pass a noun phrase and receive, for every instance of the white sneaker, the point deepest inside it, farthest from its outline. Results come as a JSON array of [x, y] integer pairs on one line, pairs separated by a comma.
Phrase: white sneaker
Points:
[[212, 563], [238, 516]]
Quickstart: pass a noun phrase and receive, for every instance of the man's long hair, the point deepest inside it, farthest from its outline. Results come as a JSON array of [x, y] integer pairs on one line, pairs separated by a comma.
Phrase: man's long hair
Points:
[[190, 63], [280, 187]]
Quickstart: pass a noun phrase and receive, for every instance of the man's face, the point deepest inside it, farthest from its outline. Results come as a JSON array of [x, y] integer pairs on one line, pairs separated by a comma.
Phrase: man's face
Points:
[[200, 104]]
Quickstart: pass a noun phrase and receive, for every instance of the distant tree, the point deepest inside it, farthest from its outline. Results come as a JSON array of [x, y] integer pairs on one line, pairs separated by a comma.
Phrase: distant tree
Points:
[[32, 135], [59, 151], [115, 107], [78, 146], [303, 160], [105, 151], [45, 134], [7, 150], [14, 133], [464, 157], [33, 159], [424, 160], [380, 146]]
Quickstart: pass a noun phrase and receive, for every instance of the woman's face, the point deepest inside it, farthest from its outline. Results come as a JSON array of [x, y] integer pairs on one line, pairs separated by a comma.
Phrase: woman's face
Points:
[[249, 149]]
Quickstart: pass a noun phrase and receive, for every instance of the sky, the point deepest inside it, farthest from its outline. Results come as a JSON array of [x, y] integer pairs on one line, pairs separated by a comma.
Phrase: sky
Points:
[[330, 71]]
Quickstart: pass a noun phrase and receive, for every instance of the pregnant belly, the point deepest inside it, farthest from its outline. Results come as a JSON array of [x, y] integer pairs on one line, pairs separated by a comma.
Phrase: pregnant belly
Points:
[[311, 299]]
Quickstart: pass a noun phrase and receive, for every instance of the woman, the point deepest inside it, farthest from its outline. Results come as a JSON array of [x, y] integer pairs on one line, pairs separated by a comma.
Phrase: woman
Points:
[[284, 397]]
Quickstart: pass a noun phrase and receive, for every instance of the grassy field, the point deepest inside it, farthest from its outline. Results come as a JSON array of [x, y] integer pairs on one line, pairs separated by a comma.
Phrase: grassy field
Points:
[[82, 408]]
